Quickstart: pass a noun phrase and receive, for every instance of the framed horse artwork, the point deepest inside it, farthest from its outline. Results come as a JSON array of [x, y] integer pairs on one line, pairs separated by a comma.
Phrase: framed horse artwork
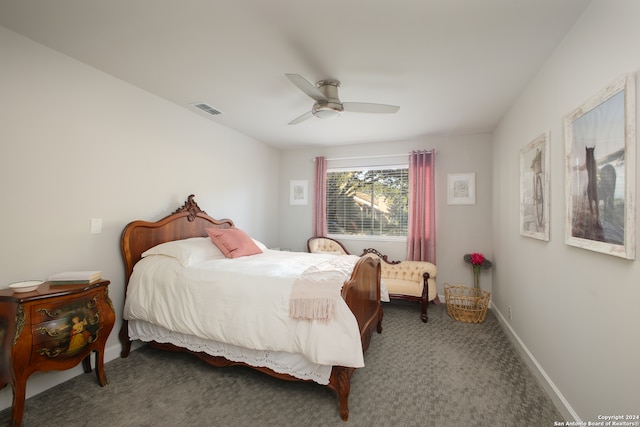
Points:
[[600, 171]]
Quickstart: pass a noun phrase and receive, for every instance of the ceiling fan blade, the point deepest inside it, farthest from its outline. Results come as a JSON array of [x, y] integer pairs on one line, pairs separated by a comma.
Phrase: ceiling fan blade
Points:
[[301, 118], [308, 88], [365, 107]]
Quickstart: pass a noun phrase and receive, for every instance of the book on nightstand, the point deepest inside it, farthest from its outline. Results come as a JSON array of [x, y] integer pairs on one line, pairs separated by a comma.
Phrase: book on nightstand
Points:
[[73, 277]]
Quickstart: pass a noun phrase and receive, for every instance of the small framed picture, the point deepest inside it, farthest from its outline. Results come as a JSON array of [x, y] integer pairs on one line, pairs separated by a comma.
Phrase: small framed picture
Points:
[[461, 189], [298, 192]]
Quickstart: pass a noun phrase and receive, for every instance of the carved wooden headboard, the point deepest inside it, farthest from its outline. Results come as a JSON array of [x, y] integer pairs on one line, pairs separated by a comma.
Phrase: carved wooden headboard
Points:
[[187, 221]]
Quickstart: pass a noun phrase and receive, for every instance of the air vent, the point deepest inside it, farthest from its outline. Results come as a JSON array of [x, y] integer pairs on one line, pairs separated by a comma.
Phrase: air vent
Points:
[[207, 109]]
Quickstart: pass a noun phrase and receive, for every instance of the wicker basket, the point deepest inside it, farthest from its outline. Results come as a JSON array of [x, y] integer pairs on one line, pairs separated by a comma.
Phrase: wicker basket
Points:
[[466, 304]]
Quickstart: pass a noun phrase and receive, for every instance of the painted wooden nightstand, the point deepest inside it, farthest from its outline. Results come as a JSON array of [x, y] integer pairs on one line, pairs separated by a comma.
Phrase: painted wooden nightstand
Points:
[[54, 327]]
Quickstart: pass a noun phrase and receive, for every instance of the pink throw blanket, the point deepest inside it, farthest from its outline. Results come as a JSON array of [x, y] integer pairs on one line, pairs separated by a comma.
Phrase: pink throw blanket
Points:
[[314, 294]]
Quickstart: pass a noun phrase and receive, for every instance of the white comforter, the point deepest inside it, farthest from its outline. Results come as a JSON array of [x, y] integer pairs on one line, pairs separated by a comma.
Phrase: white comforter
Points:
[[243, 302]]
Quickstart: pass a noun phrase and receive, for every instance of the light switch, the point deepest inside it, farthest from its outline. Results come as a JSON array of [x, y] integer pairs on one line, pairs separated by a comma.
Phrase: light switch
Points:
[[96, 225]]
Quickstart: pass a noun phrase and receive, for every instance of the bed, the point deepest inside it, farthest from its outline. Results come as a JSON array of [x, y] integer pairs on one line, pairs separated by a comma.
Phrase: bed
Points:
[[221, 341]]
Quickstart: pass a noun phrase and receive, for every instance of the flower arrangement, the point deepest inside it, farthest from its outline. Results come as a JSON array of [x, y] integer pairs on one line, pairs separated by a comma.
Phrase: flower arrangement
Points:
[[478, 262]]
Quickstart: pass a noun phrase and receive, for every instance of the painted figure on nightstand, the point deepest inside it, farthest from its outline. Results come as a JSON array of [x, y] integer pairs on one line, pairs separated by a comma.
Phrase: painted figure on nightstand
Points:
[[79, 336]]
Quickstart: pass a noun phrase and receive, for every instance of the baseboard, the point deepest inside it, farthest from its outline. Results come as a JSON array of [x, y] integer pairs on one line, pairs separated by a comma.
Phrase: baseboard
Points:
[[556, 396]]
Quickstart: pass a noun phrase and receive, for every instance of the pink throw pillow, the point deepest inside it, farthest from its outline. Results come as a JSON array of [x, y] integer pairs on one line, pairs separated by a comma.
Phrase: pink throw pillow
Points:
[[233, 242]]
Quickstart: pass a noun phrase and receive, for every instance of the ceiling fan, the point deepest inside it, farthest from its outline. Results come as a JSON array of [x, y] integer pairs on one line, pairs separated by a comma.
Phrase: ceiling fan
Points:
[[328, 105]]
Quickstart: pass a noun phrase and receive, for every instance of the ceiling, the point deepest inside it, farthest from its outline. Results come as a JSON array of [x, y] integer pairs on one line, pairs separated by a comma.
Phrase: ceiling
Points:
[[453, 66]]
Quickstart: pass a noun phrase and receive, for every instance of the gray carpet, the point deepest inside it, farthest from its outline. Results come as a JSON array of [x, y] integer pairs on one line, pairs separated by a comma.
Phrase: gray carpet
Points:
[[443, 373]]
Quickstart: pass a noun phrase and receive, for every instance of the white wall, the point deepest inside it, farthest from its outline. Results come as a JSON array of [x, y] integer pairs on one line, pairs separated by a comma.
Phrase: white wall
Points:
[[460, 229], [78, 144], [575, 311]]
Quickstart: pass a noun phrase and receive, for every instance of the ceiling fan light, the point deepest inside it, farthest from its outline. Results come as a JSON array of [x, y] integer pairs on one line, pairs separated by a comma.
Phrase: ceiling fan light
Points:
[[327, 110], [326, 113]]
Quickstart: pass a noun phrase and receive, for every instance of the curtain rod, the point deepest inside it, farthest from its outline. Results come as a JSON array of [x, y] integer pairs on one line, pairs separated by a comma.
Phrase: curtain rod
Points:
[[372, 157]]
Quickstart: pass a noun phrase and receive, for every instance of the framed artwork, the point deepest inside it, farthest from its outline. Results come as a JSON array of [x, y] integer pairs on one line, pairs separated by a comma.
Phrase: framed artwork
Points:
[[534, 188], [461, 189], [298, 192], [600, 171]]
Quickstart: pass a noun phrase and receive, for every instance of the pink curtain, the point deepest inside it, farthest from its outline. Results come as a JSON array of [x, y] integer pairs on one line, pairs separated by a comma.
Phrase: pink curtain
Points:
[[421, 233], [320, 198]]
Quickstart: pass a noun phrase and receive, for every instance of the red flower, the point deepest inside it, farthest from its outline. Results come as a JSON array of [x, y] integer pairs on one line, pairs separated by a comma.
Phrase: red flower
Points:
[[477, 258]]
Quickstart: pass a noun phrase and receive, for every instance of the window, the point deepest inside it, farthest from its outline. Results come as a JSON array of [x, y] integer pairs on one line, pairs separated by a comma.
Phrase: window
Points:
[[368, 202]]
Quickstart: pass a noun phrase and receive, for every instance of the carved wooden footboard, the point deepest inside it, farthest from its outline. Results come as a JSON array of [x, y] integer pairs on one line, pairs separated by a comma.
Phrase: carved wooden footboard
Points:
[[361, 292], [364, 301]]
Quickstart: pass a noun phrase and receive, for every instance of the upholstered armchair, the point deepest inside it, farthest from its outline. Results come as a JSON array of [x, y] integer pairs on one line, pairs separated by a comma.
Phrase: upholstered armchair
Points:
[[408, 280], [326, 245]]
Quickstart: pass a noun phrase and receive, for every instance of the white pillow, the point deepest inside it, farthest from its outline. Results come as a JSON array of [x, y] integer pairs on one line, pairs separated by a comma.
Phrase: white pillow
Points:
[[261, 245], [188, 251]]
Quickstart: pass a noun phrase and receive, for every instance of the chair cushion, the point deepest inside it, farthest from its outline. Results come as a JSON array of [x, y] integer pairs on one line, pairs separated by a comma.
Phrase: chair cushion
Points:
[[408, 270], [403, 287]]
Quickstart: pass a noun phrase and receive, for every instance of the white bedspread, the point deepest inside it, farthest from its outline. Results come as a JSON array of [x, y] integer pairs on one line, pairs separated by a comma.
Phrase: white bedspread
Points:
[[243, 302]]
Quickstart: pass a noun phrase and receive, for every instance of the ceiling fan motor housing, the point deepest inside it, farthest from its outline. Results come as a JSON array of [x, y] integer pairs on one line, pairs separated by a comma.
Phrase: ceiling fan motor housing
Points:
[[332, 107]]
